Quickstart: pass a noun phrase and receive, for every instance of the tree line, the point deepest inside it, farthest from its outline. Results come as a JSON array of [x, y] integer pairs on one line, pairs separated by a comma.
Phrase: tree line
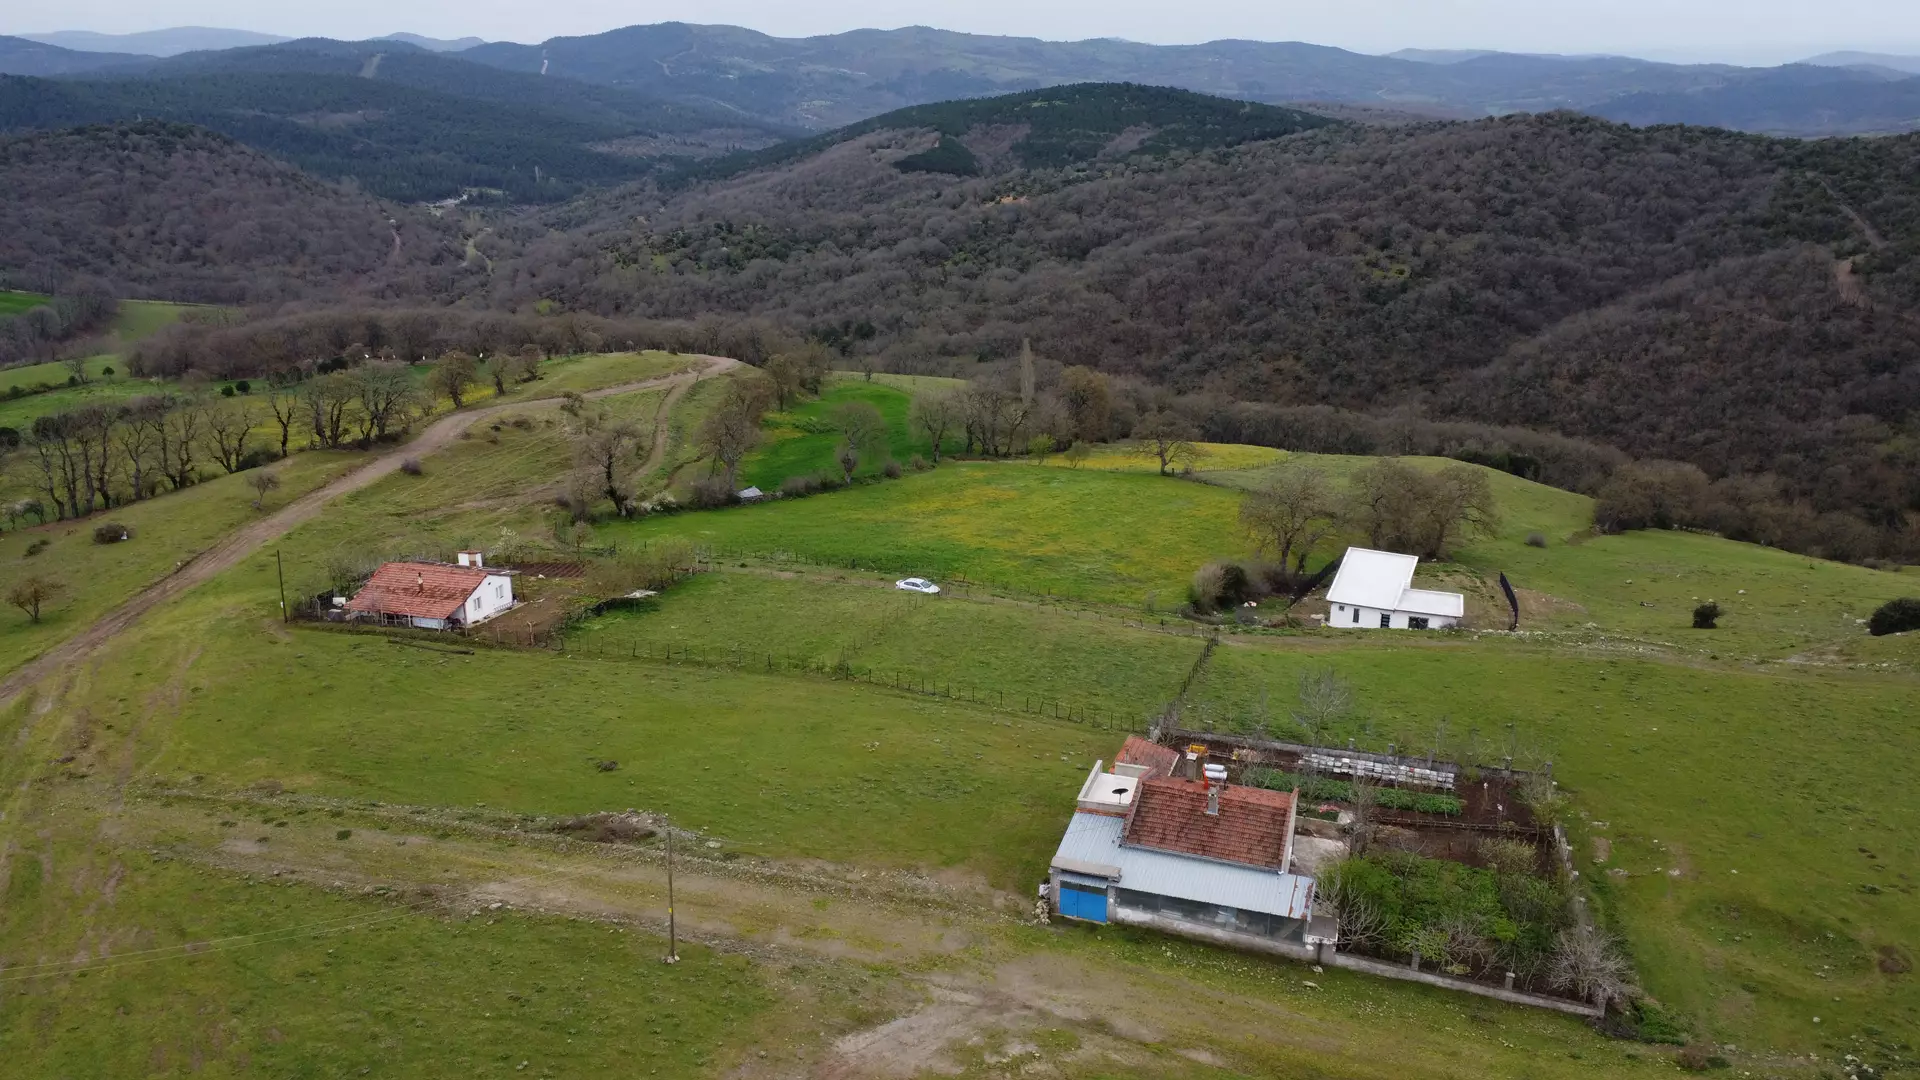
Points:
[[38, 334]]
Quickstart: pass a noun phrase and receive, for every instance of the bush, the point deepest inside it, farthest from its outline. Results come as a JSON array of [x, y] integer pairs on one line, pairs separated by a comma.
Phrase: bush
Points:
[[892, 470], [799, 487], [107, 372], [411, 467], [1219, 586], [1706, 616], [1509, 857], [1536, 540], [712, 492], [38, 546], [919, 463], [1895, 617], [227, 390], [243, 385], [111, 532], [257, 457]]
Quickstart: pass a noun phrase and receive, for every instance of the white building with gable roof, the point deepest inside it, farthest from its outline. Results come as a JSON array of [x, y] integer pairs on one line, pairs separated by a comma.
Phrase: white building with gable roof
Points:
[[1374, 590]]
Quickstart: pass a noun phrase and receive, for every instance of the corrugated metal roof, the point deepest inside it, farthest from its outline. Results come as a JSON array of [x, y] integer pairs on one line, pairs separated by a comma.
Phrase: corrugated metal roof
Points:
[[1372, 579], [1095, 838]]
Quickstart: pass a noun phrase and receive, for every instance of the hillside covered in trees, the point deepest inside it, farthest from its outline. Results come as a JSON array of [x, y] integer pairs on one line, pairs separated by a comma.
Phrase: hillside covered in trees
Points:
[[1735, 301], [173, 212], [405, 123]]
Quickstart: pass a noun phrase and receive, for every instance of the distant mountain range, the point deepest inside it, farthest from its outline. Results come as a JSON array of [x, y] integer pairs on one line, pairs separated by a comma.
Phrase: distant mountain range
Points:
[[606, 95], [406, 123], [1889, 61], [185, 39]]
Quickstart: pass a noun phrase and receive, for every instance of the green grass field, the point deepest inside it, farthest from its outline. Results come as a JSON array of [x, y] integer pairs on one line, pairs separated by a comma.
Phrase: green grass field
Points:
[[1761, 810], [804, 440], [140, 319], [13, 303], [166, 532], [1108, 537], [1014, 655]]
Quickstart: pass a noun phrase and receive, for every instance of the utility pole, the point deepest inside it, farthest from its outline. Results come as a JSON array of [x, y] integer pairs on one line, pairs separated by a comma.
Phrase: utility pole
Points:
[[673, 939], [280, 570]]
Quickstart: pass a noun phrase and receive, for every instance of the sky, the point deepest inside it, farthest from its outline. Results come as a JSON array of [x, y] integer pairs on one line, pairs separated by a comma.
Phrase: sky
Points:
[[1730, 31]]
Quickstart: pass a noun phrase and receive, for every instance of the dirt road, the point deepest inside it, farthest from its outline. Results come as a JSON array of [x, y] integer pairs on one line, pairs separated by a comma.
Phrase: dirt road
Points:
[[250, 538]]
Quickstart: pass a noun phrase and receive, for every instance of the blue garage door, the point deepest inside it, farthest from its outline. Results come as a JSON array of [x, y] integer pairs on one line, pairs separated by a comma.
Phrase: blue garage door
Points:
[[1079, 900]]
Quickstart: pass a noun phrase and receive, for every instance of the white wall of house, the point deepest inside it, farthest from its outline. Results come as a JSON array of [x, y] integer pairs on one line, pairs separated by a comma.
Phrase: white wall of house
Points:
[[494, 596], [1355, 617]]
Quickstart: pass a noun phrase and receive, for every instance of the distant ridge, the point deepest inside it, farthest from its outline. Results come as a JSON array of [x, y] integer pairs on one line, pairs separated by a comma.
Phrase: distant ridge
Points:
[[435, 44], [168, 42]]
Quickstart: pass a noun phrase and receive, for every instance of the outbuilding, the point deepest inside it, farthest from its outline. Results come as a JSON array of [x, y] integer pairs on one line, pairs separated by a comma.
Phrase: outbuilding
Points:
[[1374, 590], [434, 596]]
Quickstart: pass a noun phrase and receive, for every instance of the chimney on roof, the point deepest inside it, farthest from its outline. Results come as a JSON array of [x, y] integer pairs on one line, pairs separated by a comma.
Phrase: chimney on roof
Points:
[[1195, 751], [472, 559]]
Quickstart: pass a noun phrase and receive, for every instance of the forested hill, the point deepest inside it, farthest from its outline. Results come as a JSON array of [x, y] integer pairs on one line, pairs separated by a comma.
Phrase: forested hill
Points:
[[174, 212], [837, 79], [405, 123], [1064, 125], [1678, 292]]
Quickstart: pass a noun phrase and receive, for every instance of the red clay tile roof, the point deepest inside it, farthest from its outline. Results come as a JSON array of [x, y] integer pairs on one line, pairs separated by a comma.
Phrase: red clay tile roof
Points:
[[1163, 760], [1251, 828], [418, 590]]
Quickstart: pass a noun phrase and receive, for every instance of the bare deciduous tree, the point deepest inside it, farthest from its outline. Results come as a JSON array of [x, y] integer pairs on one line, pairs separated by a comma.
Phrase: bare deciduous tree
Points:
[[229, 426], [1170, 439], [263, 483], [935, 413], [33, 593], [1290, 513], [733, 429], [1325, 698], [1589, 966], [453, 375], [604, 447]]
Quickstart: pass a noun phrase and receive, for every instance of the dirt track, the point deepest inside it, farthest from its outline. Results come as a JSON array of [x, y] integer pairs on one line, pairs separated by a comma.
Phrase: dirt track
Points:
[[250, 538]]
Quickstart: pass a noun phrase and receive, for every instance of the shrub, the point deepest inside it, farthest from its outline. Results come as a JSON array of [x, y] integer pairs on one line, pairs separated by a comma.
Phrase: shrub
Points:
[[919, 463], [111, 532], [227, 390], [1895, 617], [714, 491], [1706, 616], [343, 834], [1509, 857], [829, 481], [38, 546], [107, 372], [892, 470], [799, 487], [243, 385], [1536, 540], [1218, 586], [411, 467]]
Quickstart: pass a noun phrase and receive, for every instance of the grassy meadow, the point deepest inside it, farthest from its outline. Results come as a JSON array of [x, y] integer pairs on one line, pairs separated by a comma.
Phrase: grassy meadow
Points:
[[1746, 816], [804, 439]]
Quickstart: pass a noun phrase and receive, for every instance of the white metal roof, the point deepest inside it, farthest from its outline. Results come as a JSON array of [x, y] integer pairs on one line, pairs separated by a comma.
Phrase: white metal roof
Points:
[[1383, 580], [1094, 840], [1429, 602], [1372, 579]]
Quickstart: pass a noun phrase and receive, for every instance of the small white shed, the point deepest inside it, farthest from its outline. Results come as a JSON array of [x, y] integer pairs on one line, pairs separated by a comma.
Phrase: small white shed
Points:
[[1374, 590]]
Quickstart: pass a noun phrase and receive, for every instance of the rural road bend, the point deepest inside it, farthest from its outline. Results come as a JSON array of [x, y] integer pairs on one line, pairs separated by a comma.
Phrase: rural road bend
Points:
[[255, 535]]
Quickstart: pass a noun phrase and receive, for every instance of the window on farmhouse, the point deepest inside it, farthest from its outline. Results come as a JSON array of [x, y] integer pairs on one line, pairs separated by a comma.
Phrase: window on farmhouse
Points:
[[1386, 619], [1356, 614], [1416, 622]]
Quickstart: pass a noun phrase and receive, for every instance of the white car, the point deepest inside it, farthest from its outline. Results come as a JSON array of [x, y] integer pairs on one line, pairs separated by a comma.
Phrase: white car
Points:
[[919, 585]]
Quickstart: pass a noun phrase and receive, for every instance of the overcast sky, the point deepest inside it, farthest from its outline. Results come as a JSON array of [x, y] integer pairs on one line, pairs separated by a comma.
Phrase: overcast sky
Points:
[[1740, 31]]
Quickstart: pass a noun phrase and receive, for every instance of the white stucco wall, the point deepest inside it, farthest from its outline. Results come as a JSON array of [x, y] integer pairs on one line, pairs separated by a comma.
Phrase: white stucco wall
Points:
[[494, 596], [1342, 616]]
